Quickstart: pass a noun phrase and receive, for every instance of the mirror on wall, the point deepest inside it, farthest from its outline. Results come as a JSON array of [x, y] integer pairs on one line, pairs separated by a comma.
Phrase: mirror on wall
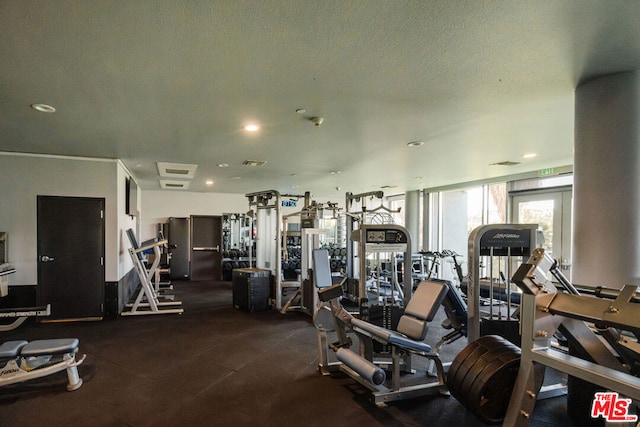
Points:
[[236, 235]]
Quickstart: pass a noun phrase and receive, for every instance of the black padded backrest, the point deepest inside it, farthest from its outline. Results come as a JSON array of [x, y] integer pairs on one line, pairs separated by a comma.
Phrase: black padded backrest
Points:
[[455, 307], [132, 239], [426, 300], [421, 309], [134, 242], [321, 269]]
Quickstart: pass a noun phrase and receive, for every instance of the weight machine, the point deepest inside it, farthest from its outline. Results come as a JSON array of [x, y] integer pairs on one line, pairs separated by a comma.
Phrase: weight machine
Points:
[[494, 252], [612, 355], [271, 238], [364, 365], [148, 299], [20, 315]]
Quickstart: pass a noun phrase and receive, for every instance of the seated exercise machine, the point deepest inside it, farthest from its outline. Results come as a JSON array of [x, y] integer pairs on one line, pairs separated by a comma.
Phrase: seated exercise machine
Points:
[[148, 299], [368, 367], [364, 366], [23, 361], [19, 315]]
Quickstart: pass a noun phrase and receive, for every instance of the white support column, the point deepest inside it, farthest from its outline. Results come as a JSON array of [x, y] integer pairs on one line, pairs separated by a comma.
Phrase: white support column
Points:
[[425, 243], [412, 218], [606, 226]]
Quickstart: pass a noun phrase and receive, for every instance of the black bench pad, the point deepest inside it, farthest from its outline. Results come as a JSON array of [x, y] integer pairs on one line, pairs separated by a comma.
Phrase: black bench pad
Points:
[[54, 346]]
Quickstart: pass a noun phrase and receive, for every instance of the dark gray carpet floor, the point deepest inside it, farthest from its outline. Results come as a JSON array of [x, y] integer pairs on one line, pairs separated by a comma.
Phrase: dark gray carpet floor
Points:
[[215, 366]]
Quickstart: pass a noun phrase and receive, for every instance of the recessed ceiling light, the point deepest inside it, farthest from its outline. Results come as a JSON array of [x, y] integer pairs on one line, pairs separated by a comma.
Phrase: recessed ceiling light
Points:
[[415, 144], [301, 111], [43, 108], [223, 165], [252, 128], [529, 155], [209, 182]]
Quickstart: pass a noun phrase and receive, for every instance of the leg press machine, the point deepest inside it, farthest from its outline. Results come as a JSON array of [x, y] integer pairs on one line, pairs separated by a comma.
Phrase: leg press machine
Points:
[[364, 365]]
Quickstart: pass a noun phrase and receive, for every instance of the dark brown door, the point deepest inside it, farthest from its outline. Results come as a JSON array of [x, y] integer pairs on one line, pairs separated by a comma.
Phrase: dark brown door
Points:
[[206, 253], [71, 256]]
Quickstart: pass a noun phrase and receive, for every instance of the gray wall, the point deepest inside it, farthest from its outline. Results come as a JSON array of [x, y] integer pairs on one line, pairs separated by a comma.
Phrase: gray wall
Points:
[[24, 177]]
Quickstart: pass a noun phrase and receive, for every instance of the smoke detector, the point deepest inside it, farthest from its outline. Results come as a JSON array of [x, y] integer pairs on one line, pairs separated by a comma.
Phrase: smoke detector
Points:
[[317, 121]]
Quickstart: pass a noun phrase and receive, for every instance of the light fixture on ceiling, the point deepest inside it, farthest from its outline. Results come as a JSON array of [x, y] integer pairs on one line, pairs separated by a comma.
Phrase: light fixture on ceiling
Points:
[[505, 163], [223, 165], [209, 182], [252, 127], [335, 172], [415, 144], [43, 108], [235, 178], [529, 155]]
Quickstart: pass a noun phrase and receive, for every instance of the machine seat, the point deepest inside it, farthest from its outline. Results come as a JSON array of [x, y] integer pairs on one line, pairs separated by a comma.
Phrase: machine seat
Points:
[[11, 349], [414, 323], [387, 336], [53, 346]]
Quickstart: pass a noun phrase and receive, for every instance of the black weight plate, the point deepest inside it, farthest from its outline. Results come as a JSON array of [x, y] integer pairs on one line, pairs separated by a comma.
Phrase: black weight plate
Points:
[[456, 384], [490, 395], [466, 359], [455, 387], [484, 361], [457, 361]]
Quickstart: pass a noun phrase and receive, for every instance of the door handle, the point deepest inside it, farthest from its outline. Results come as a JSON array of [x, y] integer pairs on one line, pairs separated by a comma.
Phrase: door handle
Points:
[[207, 248], [45, 258]]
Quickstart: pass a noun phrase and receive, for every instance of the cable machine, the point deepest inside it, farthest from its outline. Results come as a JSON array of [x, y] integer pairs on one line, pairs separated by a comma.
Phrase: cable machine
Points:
[[494, 252], [271, 249]]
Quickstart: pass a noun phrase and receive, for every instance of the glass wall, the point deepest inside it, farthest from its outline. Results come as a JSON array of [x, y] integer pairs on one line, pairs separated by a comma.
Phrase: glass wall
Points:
[[460, 211], [451, 215]]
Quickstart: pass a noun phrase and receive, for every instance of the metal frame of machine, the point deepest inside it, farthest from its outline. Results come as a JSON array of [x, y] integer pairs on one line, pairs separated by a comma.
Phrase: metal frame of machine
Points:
[[544, 309]]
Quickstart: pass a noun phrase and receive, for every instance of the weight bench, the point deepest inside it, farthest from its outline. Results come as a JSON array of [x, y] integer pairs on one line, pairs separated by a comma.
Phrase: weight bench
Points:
[[23, 361], [406, 341]]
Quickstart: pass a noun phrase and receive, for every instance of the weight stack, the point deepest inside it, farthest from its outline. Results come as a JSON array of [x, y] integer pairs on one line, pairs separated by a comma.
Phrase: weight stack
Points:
[[251, 289], [388, 317]]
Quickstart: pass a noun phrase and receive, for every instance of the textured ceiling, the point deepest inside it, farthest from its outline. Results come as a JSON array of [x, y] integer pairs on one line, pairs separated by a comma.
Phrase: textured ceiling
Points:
[[479, 82]]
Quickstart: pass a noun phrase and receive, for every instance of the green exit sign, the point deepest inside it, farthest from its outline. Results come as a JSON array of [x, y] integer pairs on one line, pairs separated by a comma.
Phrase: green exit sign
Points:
[[547, 172]]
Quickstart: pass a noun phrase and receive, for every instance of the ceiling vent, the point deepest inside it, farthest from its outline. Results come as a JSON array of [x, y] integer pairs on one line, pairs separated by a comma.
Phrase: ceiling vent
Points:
[[176, 170], [506, 163], [254, 162], [168, 184]]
